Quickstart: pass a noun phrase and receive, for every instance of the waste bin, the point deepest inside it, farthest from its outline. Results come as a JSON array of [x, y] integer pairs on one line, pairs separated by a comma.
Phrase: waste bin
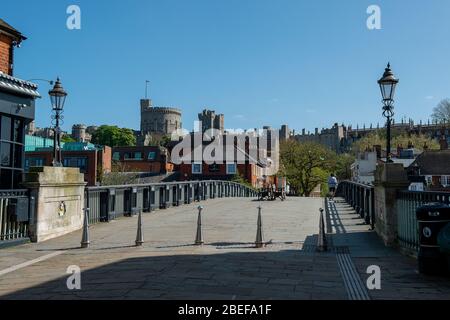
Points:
[[444, 243], [432, 218]]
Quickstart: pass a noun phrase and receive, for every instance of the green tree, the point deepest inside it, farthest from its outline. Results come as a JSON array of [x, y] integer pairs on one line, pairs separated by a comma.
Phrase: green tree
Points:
[[113, 136], [238, 178], [342, 167], [399, 138], [305, 165], [67, 138]]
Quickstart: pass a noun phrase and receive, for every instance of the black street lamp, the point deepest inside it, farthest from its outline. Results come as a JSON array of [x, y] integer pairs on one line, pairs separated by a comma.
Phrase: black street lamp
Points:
[[387, 85], [57, 98]]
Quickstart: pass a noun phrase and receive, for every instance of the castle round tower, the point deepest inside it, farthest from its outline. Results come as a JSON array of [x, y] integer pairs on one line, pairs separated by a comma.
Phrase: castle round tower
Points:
[[159, 120], [79, 132]]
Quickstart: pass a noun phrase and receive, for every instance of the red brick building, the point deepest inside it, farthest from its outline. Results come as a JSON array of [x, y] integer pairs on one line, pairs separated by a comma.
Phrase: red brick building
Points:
[[91, 160], [252, 173], [9, 38], [148, 159], [252, 165]]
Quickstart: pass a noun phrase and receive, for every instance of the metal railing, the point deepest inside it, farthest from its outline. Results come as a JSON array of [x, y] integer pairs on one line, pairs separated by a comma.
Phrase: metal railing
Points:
[[407, 203], [361, 197], [108, 202], [14, 214]]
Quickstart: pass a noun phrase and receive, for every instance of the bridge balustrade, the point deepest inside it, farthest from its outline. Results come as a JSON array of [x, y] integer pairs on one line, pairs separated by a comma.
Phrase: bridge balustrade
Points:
[[361, 197], [407, 225], [108, 202]]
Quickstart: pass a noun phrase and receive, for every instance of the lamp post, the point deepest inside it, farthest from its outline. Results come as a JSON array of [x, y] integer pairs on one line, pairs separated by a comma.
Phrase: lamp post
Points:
[[57, 98], [387, 84]]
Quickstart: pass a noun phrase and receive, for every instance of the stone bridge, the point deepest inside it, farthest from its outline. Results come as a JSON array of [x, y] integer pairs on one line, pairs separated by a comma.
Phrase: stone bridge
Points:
[[228, 266]]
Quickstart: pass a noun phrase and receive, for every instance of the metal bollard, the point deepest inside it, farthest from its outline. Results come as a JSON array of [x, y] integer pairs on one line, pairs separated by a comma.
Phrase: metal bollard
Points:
[[322, 239], [139, 235], [85, 238], [259, 242], [199, 236]]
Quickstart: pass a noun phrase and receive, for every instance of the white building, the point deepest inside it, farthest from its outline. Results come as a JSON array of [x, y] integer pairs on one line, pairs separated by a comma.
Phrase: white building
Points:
[[363, 169]]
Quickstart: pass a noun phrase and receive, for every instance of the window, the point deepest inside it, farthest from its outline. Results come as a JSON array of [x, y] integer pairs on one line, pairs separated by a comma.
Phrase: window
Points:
[[127, 155], [231, 168], [18, 151], [116, 156], [196, 168], [138, 155], [76, 162], [11, 151], [18, 131], [5, 154], [5, 128], [152, 155], [445, 180], [5, 179], [33, 162]]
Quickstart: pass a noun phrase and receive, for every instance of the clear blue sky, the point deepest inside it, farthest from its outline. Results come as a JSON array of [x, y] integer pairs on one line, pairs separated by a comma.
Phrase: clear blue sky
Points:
[[305, 63]]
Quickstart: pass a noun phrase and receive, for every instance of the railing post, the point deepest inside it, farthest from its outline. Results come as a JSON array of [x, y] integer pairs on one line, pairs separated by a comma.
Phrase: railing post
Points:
[[85, 241], [199, 234]]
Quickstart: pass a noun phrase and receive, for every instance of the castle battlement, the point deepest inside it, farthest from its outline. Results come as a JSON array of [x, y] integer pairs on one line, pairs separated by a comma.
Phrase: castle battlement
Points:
[[162, 110]]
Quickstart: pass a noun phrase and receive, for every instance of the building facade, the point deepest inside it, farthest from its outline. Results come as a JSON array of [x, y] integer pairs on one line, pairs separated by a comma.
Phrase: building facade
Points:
[[148, 159], [93, 161], [17, 108], [335, 138]]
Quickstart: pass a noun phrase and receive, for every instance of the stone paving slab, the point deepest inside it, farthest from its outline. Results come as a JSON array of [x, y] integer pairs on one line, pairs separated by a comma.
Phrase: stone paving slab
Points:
[[400, 278], [169, 266]]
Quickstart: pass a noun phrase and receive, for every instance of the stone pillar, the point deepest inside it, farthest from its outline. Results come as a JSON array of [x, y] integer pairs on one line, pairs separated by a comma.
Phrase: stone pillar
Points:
[[59, 194], [389, 178]]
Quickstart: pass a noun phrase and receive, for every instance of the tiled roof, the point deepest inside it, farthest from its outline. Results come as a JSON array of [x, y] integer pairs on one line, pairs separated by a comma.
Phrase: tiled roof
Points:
[[18, 86], [433, 162], [8, 28]]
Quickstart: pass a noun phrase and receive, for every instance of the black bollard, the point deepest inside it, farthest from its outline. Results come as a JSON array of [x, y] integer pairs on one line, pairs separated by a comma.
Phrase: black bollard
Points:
[[85, 238], [259, 242], [199, 236], [139, 235], [322, 239]]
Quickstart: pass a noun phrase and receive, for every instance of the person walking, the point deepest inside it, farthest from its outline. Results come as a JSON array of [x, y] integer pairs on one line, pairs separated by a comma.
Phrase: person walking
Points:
[[332, 185]]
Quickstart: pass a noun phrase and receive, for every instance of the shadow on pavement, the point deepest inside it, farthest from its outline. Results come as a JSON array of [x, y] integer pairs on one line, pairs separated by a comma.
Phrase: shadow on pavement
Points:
[[262, 274]]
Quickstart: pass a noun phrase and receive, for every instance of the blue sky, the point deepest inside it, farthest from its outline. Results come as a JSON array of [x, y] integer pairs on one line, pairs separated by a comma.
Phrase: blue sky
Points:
[[305, 63]]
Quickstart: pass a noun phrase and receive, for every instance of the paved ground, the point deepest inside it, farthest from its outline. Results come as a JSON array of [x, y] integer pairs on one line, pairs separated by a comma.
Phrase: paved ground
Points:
[[168, 266]]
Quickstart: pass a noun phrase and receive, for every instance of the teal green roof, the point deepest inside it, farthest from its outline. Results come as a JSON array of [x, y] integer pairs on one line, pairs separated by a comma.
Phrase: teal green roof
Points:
[[78, 146], [33, 143]]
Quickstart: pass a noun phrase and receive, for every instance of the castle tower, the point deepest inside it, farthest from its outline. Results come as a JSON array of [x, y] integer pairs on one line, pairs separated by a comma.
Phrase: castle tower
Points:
[[211, 120], [158, 121], [79, 132]]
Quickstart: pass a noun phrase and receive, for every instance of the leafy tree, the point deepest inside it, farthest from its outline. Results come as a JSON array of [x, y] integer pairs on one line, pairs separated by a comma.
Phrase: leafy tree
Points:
[[238, 178], [398, 139], [342, 167], [441, 113], [67, 138], [305, 165], [113, 136], [160, 141]]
